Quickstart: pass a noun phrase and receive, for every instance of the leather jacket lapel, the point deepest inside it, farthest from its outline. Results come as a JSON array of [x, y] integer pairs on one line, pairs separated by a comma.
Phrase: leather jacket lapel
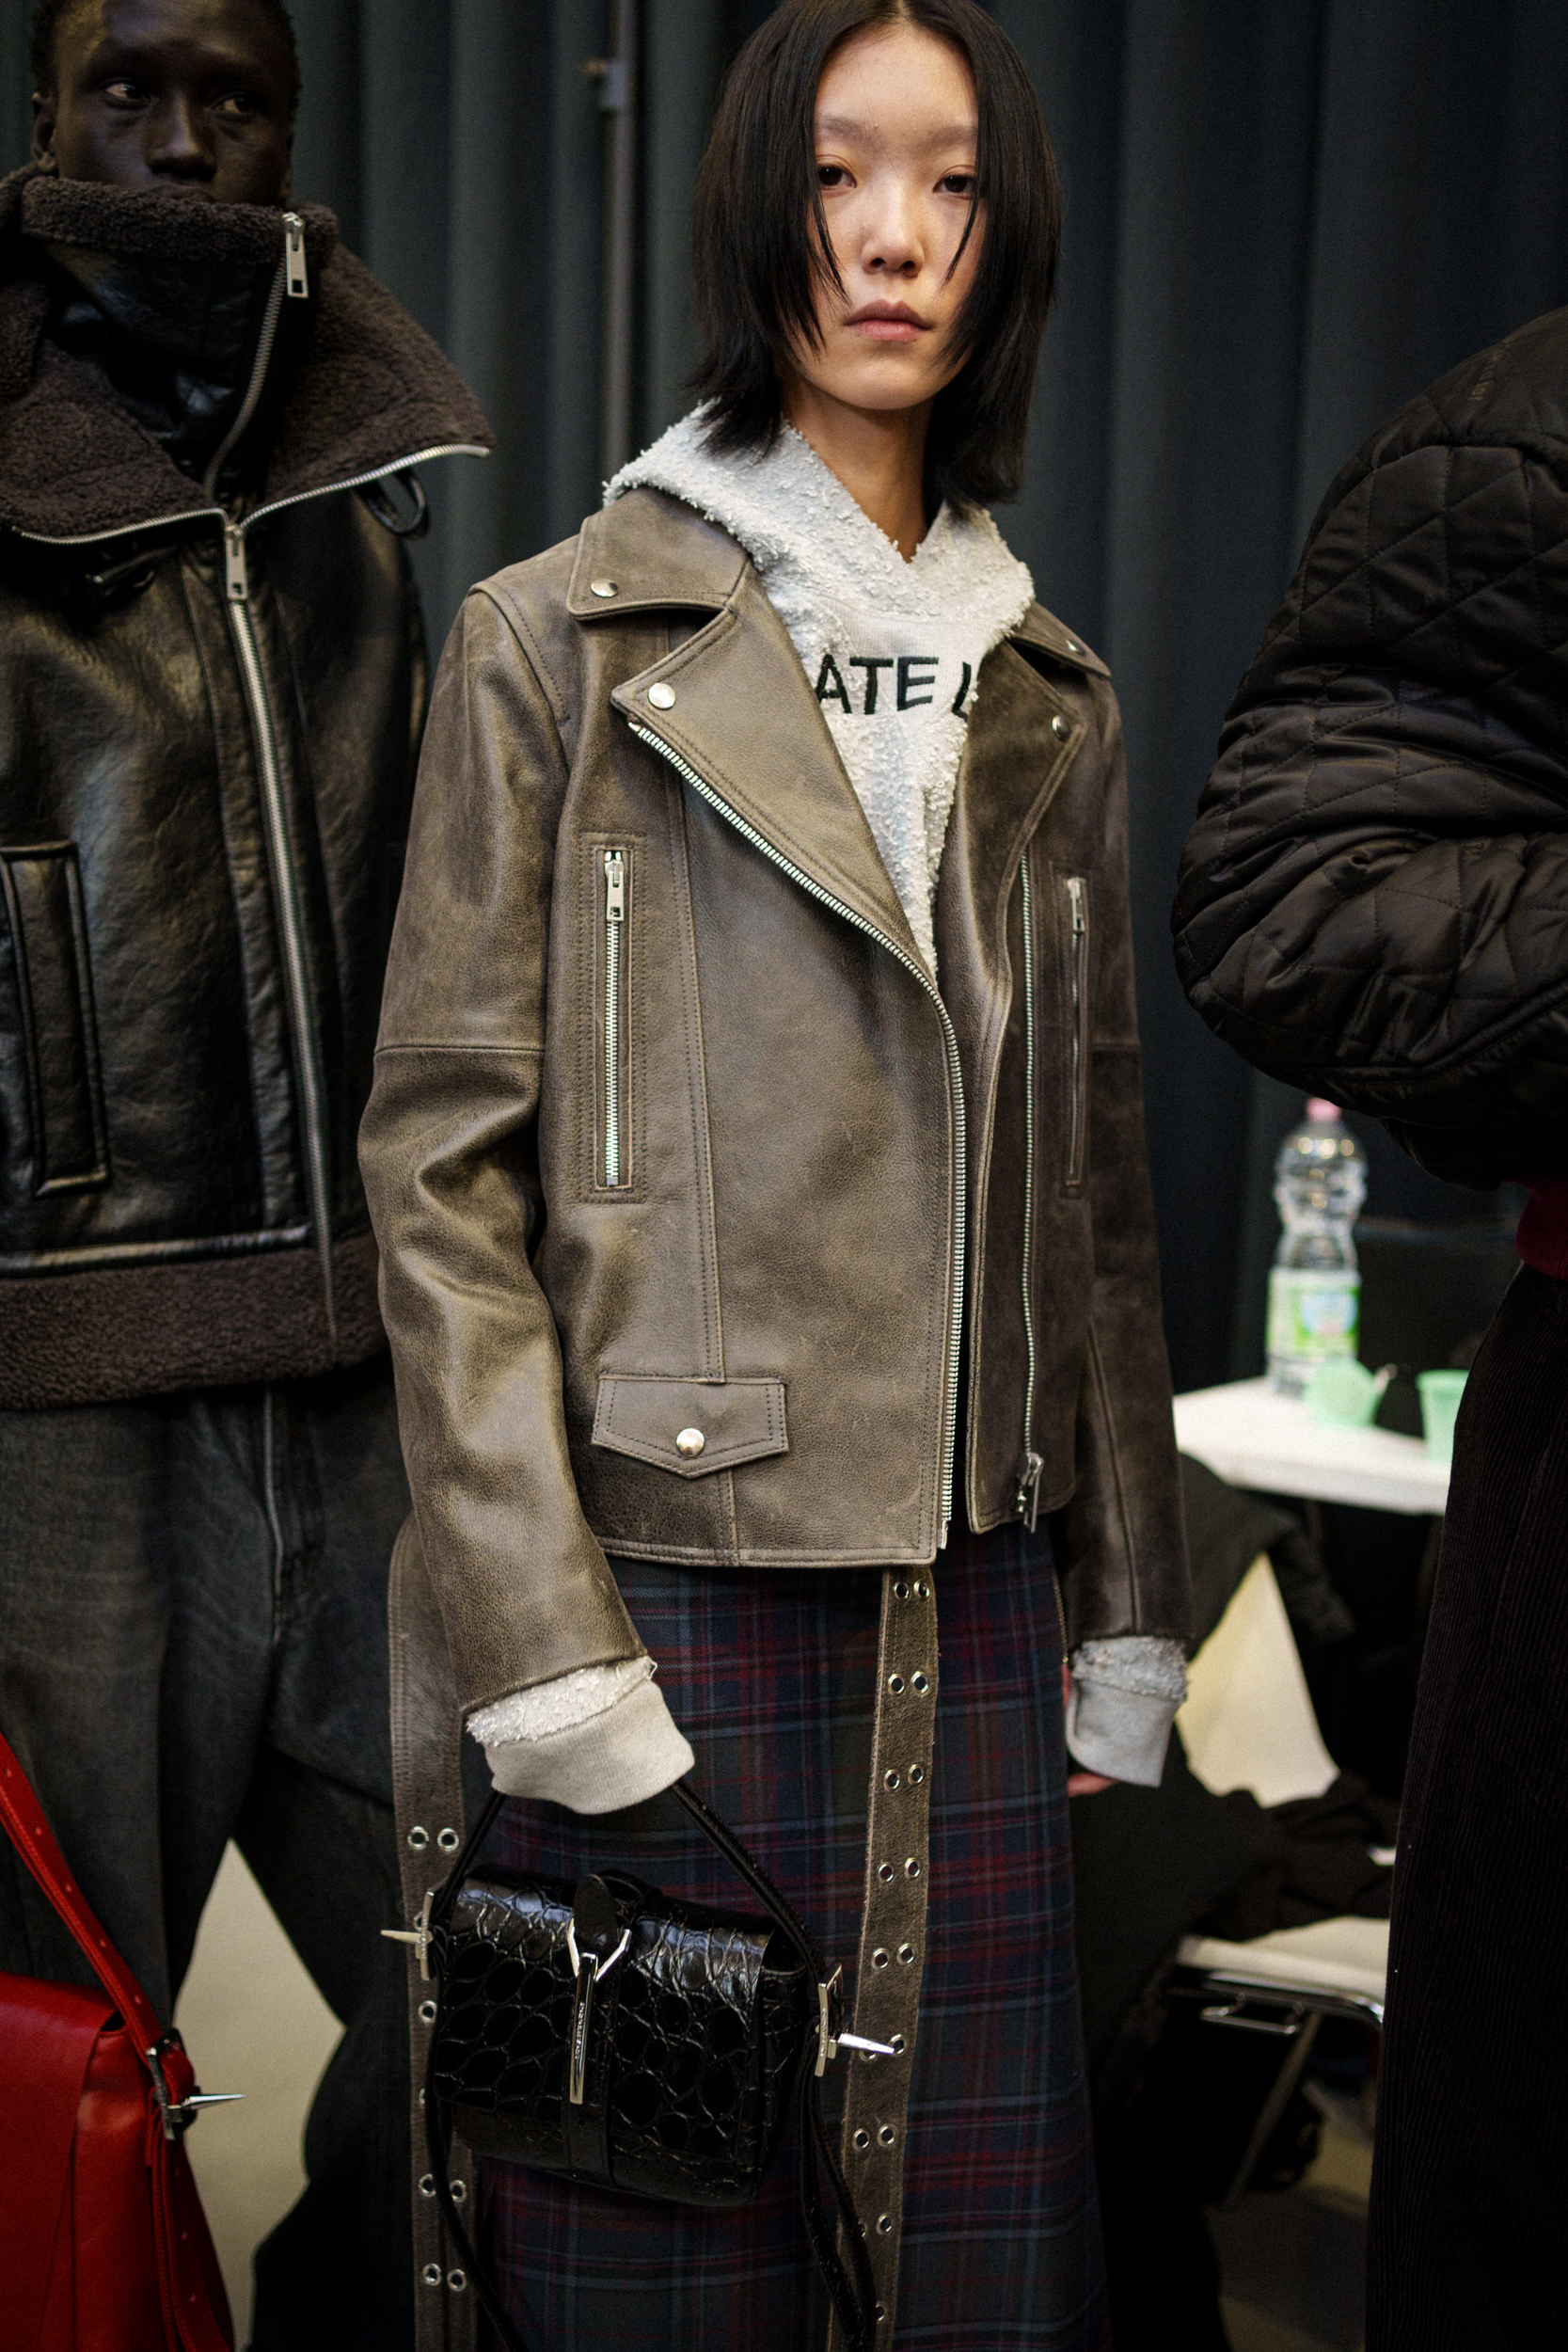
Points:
[[783, 778]]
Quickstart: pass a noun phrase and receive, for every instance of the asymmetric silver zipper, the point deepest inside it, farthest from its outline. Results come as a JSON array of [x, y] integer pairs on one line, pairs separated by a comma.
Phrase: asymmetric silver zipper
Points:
[[290, 274], [955, 1079], [1078, 946], [1028, 1501], [614, 930], [291, 922]]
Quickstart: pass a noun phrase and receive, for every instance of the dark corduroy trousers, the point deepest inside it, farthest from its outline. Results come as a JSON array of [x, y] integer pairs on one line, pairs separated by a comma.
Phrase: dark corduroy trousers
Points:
[[1469, 2215], [192, 1647]]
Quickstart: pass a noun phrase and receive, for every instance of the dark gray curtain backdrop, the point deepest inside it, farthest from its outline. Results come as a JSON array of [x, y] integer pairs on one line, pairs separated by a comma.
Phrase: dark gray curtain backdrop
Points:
[[1284, 216]]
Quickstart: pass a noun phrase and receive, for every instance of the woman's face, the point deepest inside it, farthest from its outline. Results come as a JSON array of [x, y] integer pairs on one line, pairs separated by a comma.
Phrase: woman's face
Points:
[[895, 145]]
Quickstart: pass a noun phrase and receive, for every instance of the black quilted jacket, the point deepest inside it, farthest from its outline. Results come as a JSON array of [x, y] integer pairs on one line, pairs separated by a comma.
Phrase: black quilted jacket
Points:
[[1373, 902]]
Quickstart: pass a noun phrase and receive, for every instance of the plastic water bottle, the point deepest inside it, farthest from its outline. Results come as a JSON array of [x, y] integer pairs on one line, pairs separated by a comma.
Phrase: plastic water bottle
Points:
[[1320, 1182]]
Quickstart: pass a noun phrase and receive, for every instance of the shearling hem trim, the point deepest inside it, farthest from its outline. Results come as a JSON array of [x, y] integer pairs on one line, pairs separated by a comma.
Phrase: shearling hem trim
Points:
[[118, 1332], [621, 1757], [560, 1705]]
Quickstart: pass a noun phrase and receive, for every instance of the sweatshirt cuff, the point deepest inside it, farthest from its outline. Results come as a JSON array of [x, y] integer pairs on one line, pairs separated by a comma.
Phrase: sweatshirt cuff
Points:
[[620, 1756], [1122, 1703]]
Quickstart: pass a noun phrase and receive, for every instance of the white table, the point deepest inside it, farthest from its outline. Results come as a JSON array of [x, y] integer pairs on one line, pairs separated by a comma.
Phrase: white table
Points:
[[1250, 1437]]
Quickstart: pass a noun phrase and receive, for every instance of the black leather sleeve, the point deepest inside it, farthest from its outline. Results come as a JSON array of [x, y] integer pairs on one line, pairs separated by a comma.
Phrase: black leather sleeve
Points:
[[1373, 902]]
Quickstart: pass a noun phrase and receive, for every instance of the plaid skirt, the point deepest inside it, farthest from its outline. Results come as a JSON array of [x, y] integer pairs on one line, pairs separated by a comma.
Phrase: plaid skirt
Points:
[[772, 1681]]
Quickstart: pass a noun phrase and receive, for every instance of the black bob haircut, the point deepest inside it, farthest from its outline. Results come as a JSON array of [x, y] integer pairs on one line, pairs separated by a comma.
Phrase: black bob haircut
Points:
[[49, 15], [761, 249]]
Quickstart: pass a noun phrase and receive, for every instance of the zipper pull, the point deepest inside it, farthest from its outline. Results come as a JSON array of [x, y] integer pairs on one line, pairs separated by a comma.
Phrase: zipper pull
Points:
[[1026, 1504], [293, 255], [1075, 900], [236, 578], [614, 886]]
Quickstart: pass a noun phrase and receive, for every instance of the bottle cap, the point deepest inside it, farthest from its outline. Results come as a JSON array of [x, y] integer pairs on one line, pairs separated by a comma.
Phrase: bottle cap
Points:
[[1318, 1106]]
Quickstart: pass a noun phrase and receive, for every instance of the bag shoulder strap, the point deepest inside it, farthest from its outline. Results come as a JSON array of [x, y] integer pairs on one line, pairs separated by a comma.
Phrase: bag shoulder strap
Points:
[[21, 1817]]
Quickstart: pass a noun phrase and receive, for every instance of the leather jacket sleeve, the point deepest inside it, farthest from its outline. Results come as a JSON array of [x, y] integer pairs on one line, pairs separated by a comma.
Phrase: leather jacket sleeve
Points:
[[1373, 902], [449, 1155], [1120, 1541]]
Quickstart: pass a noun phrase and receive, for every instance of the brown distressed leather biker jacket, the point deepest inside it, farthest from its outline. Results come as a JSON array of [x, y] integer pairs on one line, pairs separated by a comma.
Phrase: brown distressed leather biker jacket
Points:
[[692, 1192]]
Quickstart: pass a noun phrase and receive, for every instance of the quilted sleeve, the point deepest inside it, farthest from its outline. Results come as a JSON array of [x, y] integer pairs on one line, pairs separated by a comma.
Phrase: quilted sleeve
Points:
[[1373, 902]]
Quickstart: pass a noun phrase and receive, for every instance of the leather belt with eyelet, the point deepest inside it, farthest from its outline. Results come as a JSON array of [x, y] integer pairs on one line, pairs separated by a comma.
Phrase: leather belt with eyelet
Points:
[[892, 1929]]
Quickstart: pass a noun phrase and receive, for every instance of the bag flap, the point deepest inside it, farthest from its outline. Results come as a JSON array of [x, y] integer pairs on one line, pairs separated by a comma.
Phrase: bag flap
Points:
[[690, 1426], [48, 2033]]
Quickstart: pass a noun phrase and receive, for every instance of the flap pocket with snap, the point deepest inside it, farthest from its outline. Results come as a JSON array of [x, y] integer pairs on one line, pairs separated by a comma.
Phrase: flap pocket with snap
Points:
[[690, 1426]]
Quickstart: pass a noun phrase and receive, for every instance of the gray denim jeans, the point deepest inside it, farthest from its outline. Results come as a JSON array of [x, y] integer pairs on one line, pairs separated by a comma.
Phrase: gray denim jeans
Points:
[[192, 1647]]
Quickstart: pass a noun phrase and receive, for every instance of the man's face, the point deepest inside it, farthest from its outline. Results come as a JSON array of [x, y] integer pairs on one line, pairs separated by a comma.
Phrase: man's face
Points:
[[187, 95]]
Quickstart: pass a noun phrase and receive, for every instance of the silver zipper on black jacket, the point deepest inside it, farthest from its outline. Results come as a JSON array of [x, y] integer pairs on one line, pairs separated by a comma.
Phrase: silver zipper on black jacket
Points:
[[954, 1080], [291, 924], [1027, 1502], [614, 967], [1078, 992]]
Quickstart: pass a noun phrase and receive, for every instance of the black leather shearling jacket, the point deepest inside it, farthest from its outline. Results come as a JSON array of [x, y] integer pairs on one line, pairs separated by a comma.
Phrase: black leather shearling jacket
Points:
[[211, 701]]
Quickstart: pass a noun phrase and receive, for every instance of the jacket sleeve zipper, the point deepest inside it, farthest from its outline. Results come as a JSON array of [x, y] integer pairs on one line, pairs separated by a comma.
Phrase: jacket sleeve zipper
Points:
[[1028, 1501], [291, 922], [614, 957], [1078, 989], [955, 1083]]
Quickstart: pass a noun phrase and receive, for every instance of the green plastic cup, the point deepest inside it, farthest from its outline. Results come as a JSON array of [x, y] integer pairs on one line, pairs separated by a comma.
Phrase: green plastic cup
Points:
[[1440, 1395]]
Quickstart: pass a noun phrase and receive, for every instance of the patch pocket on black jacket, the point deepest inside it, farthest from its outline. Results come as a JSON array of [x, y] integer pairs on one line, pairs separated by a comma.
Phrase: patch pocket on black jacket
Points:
[[52, 980], [690, 1426]]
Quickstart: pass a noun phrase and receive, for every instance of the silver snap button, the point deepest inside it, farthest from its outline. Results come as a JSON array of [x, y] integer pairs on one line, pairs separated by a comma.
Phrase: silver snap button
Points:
[[427, 2185], [895, 1684], [603, 587], [886, 2134], [912, 1869], [427, 2012], [1059, 726], [690, 1442], [884, 2225], [878, 1958], [885, 1872], [430, 2273], [863, 2140], [1073, 646], [448, 1840], [920, 1683], [663, 697], [890, 1780], [417, 1839], [906, 1953]]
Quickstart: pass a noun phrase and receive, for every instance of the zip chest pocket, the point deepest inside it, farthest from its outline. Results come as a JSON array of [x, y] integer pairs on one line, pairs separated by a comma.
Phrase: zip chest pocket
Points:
[[1073, 933], [613, 882]]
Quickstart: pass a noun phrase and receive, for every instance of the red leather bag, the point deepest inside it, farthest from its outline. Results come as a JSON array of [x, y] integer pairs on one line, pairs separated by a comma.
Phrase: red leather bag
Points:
[[104, 2245]]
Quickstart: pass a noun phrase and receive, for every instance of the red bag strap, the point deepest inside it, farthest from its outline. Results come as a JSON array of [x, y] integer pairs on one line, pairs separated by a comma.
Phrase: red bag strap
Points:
[[21, 1816]]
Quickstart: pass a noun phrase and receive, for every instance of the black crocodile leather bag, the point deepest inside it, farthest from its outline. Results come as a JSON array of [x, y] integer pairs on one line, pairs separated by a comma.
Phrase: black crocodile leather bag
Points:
[[615, 2035]]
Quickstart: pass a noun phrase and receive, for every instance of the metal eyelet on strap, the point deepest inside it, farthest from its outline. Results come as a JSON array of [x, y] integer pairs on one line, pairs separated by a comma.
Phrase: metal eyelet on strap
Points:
[[418, 1838], [430, 2273], [448, 1839]]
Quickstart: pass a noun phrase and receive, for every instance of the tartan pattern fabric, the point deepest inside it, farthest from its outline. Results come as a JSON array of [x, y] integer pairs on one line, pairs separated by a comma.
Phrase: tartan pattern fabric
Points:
[[772, 1681]]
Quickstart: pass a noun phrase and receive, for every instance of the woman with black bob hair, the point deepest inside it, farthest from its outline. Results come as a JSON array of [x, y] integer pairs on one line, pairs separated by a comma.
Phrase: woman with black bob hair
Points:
[[756, 1156]]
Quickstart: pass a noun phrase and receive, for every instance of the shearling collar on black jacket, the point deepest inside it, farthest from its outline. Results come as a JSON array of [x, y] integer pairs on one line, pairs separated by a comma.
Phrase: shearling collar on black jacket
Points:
[[1374, 898], [211, 699]]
